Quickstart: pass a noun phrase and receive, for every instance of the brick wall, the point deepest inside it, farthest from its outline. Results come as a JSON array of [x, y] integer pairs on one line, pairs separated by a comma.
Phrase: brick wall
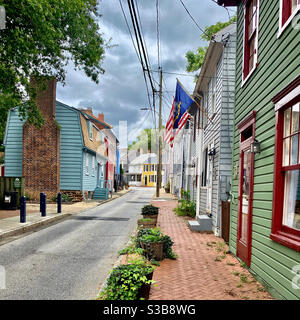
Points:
[[41, 147]]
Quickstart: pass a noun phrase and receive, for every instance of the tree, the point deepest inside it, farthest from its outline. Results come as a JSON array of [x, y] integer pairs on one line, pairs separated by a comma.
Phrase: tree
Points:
[[195, 59], [146, 140], [40, 38]]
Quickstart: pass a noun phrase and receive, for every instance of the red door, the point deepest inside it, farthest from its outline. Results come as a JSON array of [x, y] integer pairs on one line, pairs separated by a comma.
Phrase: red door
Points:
[[245, 207]]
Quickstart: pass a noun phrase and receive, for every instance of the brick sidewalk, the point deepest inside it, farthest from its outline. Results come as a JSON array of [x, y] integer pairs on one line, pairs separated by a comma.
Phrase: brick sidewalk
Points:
[[196, 275]]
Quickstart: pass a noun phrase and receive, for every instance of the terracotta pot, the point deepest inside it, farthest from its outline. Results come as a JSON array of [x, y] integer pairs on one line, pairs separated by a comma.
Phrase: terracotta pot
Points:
[[146, 224], [153, 250], [144, 290], [151, 216]]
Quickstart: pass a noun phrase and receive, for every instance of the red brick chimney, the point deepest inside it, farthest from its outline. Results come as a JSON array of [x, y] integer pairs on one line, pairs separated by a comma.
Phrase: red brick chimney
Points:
[[101, 116], [41, 146]]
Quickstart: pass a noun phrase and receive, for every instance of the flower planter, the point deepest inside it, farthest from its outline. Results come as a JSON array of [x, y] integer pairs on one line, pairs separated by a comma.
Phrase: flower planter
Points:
[[151, 216], [146, 224], [153, 250], [144, 290]]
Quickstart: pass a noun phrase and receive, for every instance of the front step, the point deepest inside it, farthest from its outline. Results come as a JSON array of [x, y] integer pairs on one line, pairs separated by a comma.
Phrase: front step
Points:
[[100, 194], [203, 223]]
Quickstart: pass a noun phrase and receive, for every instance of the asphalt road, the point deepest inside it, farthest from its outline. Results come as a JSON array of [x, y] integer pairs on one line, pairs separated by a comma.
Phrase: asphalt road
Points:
[[71, 259]]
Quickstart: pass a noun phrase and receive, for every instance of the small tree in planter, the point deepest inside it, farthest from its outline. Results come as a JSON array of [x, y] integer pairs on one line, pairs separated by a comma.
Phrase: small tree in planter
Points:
[[150, 211]]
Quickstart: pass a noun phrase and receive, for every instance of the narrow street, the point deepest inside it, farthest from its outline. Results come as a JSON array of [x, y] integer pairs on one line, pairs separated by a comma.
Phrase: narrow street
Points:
[[71, 259]]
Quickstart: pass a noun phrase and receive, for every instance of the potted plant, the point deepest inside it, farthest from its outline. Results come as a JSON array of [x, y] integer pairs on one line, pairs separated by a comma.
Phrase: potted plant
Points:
[[150, 211], [155, 244], [146, 223], [126, 282]]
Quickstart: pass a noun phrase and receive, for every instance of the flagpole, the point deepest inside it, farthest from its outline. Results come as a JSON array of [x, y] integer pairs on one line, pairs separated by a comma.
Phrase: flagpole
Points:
[[201, 108]]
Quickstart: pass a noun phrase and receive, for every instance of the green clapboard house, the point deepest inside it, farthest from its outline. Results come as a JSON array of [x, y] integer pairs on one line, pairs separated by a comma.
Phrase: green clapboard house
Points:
[[265, 205]]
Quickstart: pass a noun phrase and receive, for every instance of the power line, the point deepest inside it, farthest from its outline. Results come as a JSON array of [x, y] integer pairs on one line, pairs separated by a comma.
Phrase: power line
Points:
[[129, 30], [186, 9], [190, 75]]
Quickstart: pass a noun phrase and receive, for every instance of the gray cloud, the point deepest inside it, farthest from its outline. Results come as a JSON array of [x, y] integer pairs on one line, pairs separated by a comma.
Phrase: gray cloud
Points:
[[121, 91]]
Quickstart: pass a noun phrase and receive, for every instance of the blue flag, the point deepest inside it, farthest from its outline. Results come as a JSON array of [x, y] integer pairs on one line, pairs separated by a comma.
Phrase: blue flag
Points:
[[182, 102]]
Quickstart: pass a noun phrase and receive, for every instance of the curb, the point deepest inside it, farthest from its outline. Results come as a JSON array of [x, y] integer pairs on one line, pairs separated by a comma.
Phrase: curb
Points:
[[116, 264], [34, 225], [47, 220]]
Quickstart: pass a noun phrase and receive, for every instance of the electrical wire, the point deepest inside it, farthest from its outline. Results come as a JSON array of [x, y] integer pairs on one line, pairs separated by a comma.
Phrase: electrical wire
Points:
[[188, 12]]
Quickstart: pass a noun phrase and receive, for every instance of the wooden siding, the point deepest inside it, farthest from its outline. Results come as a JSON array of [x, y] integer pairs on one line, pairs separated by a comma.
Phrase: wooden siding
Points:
[[13, 145], [219, 130], [70, 147], [278, 65], [90, 179]]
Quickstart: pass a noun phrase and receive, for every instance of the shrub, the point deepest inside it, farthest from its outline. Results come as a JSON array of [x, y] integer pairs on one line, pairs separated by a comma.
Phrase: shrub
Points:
[[64, 198], [125, 281], [167, 187], [149, 210], [186, 208]]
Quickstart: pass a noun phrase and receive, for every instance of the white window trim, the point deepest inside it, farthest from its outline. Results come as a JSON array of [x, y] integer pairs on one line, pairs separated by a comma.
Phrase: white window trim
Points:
[[90, 127], [290, 19], [256, 44], [87, 164]]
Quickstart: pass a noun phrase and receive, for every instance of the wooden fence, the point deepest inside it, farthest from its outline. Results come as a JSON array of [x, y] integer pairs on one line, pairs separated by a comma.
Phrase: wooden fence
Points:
[[8, 184]]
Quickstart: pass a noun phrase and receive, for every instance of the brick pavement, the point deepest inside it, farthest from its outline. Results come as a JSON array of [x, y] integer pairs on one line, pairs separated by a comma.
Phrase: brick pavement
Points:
[[196, 275]]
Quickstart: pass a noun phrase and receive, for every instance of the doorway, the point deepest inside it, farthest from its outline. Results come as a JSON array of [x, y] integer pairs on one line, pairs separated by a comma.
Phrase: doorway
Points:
[[246, 181]]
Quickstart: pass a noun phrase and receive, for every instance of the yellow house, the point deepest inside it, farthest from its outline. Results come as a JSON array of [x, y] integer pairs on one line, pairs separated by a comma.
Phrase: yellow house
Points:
[[149, 175]]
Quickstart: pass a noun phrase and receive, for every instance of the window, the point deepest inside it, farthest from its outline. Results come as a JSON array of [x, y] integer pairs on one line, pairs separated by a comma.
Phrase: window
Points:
[[286, 208], [213, 104], [90, 129], [250, 37], [288, 9], [213, 97], [145, 167], [86, 163], [139, 178]]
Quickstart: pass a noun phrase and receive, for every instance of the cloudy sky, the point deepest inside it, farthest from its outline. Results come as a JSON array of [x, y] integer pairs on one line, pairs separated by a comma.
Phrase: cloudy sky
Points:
[[121, 92]]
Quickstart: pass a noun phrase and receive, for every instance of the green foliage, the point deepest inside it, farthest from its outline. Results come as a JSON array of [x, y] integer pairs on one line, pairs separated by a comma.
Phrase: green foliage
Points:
[[195, 59], [185, 206], [167, 187], [147, 139], [149, 210], [41, 37], [210, 31], [64, 198], [125, 281]]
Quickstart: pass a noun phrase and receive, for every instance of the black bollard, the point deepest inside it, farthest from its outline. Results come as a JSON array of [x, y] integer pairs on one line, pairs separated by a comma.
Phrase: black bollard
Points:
[[43, 202], [59, 202], [23, 209]]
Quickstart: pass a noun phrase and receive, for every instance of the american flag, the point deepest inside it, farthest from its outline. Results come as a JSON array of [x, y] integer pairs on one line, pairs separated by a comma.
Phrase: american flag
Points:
[[168, 135]]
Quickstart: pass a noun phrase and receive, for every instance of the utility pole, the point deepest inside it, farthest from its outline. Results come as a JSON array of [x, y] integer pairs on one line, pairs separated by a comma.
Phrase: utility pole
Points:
[[158, 173]]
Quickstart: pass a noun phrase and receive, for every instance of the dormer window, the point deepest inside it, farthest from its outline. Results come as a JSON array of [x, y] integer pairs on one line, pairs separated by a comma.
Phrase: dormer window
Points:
[[90, 129]]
